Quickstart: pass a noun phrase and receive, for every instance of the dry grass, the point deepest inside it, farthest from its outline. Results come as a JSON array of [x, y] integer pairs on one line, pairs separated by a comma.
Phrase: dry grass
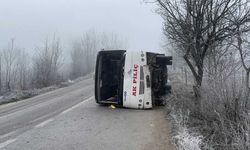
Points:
[[222, 124]]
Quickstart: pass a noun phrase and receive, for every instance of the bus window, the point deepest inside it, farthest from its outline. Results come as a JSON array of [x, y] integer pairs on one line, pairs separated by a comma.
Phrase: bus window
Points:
[[141, 89], [148, 81]]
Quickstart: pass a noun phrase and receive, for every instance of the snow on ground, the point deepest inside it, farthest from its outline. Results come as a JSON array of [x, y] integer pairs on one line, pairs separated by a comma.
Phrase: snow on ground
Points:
[[185, 140]]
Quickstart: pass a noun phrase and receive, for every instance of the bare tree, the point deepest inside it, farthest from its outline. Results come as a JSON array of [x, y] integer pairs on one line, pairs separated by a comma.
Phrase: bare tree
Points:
[[112, 41], [89, 43], [23, 70], [196, 27], [242, 43], [77, 62], [47, 63], [83, 54], [203, 32], [9, 56], [0, 73]]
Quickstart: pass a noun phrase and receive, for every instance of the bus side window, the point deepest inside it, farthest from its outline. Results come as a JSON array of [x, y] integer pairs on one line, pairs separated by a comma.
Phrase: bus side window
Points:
[[141, 89], [147, 81]]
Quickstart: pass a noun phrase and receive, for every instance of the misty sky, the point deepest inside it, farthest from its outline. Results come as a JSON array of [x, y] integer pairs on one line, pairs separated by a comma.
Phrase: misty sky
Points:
[[31, 21]]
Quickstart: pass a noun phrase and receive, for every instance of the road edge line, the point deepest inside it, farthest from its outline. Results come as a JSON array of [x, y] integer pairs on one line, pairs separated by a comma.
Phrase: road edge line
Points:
[[76, 105]]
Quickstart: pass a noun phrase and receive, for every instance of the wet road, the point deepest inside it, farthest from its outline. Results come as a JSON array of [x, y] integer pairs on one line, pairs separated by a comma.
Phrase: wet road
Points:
[[68, 118]]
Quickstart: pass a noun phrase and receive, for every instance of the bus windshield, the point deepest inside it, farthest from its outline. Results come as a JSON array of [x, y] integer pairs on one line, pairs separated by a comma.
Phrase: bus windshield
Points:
[[109, 76]]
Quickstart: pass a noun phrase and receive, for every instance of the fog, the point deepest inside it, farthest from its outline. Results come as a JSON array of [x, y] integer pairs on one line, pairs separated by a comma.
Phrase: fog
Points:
[[31, 21], [46, 42], [50, 44]]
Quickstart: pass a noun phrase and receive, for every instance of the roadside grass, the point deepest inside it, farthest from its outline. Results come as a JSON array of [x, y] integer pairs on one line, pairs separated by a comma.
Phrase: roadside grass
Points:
[[218, 126], [178, 105]]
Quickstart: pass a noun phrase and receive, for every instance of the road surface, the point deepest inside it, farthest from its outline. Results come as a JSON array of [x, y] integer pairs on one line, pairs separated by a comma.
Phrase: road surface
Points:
[[69, 119]]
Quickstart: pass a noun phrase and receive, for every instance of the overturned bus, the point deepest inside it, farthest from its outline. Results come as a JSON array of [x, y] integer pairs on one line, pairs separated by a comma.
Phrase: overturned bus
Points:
[[131, 79]]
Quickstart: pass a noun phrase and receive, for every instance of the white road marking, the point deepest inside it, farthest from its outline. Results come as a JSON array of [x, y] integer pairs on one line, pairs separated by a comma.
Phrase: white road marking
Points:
[[40, 118], [44, 123], [7, 134], [77, 105], [4, 144]]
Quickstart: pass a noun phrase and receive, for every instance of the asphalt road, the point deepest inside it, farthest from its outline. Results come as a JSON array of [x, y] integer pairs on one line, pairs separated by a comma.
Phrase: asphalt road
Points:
[[69, 119]]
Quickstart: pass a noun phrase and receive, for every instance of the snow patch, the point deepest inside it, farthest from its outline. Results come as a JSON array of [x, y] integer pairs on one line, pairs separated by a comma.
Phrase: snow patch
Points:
[[185, 139]]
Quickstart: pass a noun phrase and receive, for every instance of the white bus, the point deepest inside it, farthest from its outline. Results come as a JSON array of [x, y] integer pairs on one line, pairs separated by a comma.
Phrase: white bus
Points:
[[131, 79]]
